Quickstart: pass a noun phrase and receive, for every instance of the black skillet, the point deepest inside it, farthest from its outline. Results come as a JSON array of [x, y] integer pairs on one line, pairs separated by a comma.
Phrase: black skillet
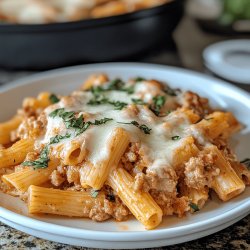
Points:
[[94, 40]]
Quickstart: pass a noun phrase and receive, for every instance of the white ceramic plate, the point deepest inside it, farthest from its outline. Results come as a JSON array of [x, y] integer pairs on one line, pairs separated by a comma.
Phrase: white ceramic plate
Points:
[[229, 60], [83, 232]]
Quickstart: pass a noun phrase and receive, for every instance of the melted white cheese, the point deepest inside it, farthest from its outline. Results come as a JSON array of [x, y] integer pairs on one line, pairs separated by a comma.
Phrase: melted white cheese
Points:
[[157, 147]]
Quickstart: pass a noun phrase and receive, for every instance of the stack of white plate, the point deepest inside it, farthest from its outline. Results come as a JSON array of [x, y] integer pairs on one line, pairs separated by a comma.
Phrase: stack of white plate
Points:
[[229, 60]]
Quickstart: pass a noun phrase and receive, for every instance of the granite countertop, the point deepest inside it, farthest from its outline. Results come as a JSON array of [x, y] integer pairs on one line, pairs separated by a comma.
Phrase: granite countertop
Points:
[[234, 237]]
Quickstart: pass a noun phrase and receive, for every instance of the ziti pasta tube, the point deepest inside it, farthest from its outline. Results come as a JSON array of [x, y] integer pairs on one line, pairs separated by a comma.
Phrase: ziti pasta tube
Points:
[[62, 202], [21, 180], [7, 127], [94, 175], [227, 184], [15, 154], [141, 204]]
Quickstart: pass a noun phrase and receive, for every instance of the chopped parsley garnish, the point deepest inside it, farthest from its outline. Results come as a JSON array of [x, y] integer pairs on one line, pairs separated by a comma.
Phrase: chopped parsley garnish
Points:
[[53, 98], [86, 125], [246, 162], [194, 206], [170, 91], [94, 193], [101, 121], [142, 127], [43, 160], [99, 101], [58, 112], [58, 138], [158, 103], [176, 137], [78, 124], [139, 79], [119, 85], [138, 101], [118, 105], [116, 84]]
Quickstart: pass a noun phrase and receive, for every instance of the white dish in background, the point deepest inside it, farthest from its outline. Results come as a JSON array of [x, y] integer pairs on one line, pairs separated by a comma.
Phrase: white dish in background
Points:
[[229, 60], [215, 216]]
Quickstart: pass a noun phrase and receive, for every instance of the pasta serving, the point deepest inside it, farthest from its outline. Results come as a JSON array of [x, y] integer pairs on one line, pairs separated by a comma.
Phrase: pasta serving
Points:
[[115, 148], [51, 11]]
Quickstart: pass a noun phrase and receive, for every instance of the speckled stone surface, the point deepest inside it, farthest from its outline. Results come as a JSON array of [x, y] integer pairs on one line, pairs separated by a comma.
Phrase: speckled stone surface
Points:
[[234, 237]]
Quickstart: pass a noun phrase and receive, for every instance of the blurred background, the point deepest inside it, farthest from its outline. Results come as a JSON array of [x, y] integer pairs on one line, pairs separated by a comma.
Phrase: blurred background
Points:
[[58, 33]]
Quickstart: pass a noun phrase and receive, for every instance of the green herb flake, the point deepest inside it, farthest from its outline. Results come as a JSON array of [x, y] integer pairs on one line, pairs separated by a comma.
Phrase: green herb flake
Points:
[[80, 130], [176, 138], [118, 105], [58, 138], [246, 162], [116, 84], [94, 193], [78, 124], [170, 91], [43, 160], [158, 103], [57, 112], [138, 101], [101, 121], [139, 79], [99, 101], [53, 98], [194, 206], [142, 127]]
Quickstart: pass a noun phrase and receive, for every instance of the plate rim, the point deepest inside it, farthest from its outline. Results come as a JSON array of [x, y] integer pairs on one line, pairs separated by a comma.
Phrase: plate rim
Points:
[[221, 47], [121, 236], [64, 70]]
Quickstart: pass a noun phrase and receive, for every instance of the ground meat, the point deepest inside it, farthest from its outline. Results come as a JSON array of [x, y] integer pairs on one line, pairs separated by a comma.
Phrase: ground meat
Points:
[[200, 171], [73, 175], [116, 209], [62, 169], [141, 183], [181, 205], [198, 104], [98, 213], [31, 107], [56, 178], [170, 203], [130, 156], [75, 188], [194, 172], [165, 181], [29, 128], [31, 156]]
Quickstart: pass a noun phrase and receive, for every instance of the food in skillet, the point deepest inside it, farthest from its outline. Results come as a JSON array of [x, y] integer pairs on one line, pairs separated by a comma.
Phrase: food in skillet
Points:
[[115, 148], [50, 11]]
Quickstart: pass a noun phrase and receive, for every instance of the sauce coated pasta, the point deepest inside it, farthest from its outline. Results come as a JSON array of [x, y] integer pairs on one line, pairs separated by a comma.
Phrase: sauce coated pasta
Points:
[[51, 11], [115, 148]]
